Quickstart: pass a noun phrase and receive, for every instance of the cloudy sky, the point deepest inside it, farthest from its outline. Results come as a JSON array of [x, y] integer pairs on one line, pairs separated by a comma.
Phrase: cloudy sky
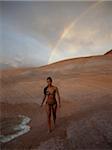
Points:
[[39, 33]]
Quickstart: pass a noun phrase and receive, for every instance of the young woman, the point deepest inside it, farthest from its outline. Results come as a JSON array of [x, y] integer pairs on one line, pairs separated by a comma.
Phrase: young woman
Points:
[[51, 103]]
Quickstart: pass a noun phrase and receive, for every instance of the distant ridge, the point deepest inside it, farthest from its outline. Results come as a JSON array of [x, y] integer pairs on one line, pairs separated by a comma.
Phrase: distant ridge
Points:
[[84, 58], [109, 52]]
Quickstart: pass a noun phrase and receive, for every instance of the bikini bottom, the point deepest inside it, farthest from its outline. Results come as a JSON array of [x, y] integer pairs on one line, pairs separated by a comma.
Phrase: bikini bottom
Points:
[[55, 103]]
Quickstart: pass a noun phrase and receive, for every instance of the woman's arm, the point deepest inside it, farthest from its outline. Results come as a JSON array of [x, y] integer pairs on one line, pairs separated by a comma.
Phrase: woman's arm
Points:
[[58, 95], [43, 100]]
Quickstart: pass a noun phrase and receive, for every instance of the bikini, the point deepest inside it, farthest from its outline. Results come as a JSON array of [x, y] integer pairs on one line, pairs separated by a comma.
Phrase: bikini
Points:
[[54, 101]]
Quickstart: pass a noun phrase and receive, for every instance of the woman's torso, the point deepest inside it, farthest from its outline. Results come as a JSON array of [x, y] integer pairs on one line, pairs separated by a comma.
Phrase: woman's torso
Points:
[[51, 94]]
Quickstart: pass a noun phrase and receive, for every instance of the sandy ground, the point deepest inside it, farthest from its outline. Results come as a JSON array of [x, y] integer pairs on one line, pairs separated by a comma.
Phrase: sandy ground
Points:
[[83, 122]]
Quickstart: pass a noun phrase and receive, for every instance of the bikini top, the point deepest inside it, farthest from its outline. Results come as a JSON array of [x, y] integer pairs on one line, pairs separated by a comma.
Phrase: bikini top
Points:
[[48, 93]]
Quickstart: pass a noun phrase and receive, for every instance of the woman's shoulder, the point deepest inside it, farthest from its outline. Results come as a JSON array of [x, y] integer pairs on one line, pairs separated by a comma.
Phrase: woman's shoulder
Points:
[[55, 87]]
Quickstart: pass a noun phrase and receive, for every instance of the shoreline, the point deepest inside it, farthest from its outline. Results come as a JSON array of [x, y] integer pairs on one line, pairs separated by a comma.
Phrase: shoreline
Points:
[[18, 129]]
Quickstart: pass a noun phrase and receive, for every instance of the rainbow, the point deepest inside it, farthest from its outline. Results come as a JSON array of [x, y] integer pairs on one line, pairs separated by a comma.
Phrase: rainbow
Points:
[[66, 31]]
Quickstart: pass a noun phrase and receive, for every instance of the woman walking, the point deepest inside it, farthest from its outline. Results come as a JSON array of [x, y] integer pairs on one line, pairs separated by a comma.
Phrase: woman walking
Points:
[[51, 103]]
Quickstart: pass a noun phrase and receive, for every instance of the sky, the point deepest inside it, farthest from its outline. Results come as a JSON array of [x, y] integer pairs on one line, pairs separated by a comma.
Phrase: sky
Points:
[[39, 33]]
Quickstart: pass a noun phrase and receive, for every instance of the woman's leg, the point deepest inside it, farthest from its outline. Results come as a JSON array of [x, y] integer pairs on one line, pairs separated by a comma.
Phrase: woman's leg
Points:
[[48, 110], [54, 109]]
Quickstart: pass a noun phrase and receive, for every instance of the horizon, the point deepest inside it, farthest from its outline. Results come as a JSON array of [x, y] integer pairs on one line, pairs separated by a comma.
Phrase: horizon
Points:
[[60, 61]]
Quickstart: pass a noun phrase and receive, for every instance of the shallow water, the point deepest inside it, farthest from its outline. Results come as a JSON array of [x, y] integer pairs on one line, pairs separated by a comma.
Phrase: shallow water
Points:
[[13, 127]]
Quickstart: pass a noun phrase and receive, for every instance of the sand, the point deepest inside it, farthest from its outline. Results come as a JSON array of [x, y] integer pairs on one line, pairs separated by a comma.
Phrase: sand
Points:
[[83, 122]]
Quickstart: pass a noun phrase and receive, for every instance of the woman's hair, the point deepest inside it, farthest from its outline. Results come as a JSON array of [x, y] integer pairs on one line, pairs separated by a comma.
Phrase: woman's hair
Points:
[[45, 89], [49, 78]]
